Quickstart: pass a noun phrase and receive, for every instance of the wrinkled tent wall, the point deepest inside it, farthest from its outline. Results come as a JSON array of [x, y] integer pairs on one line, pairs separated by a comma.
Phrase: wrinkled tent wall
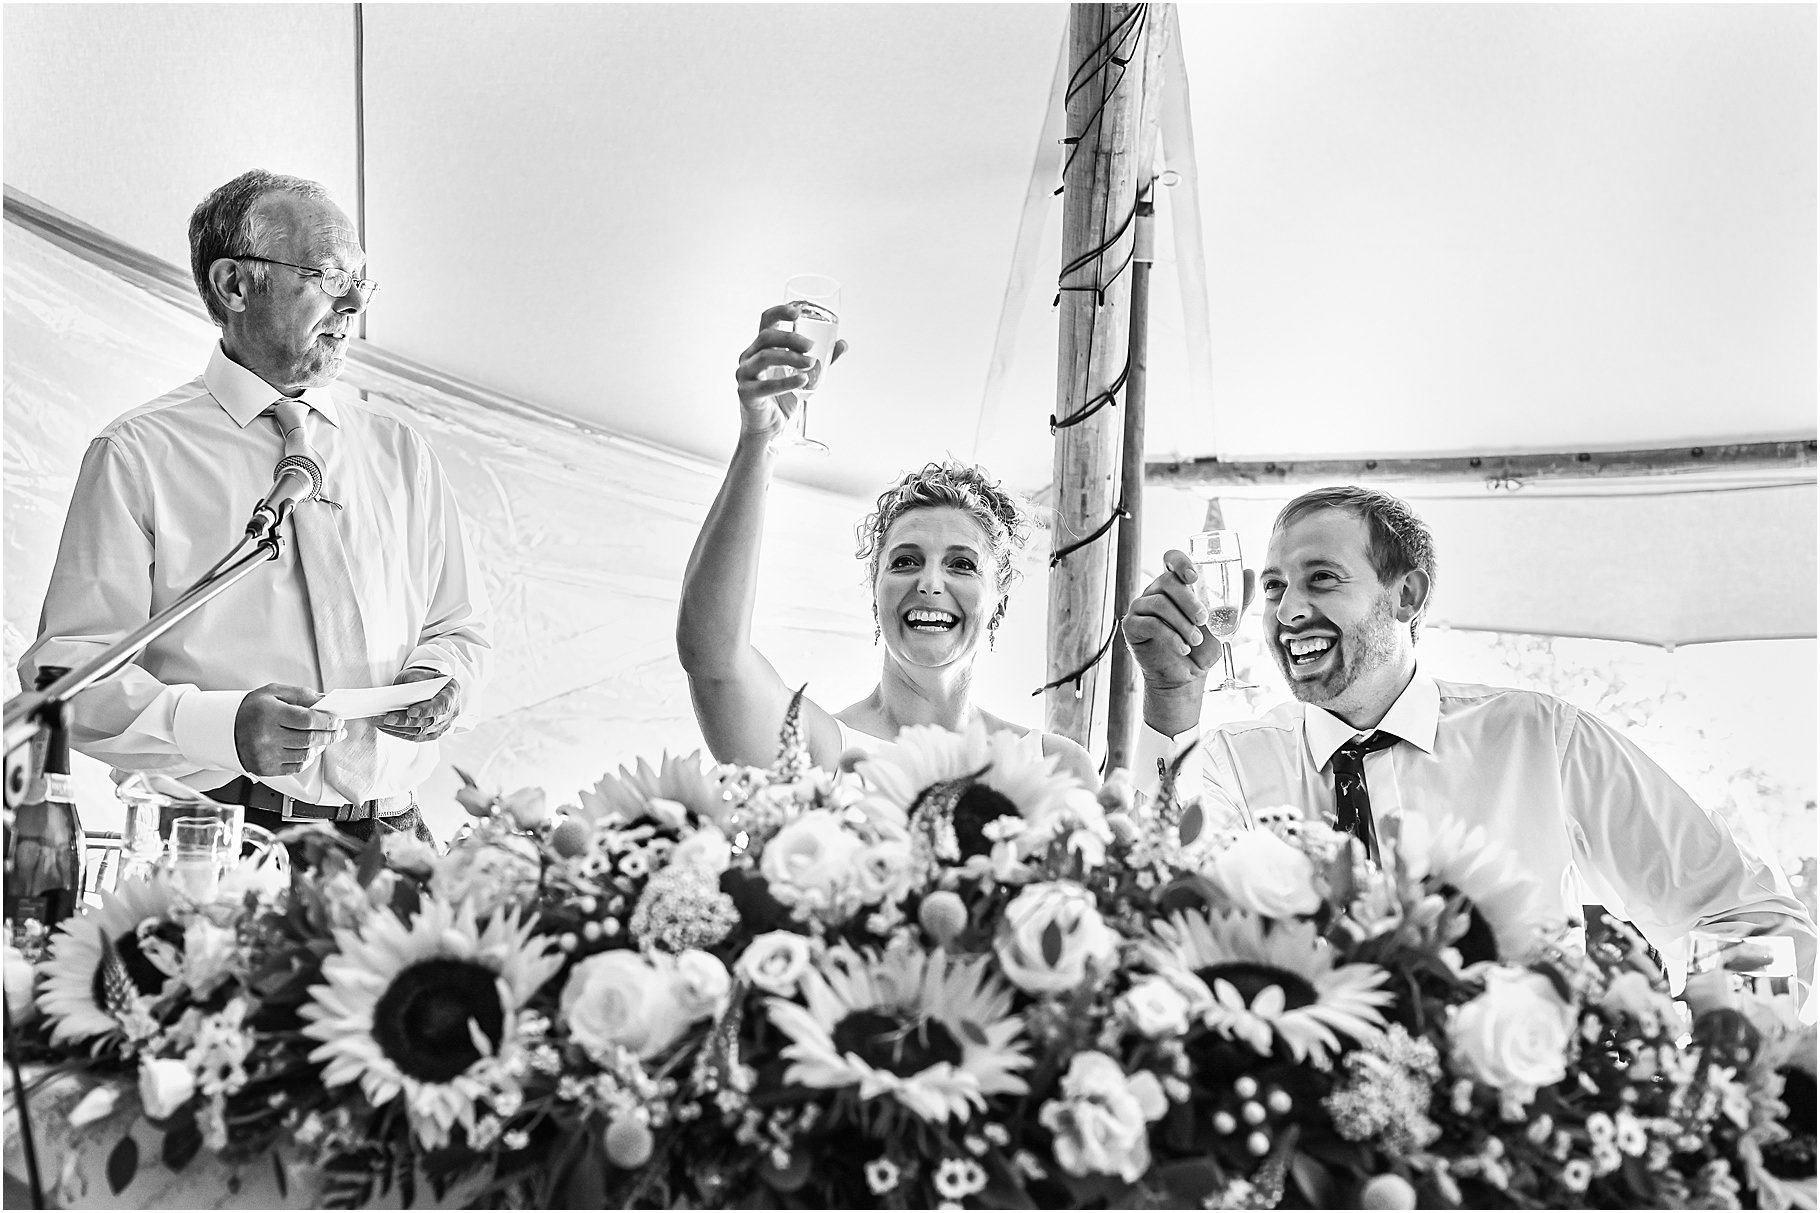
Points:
[[583, 539]]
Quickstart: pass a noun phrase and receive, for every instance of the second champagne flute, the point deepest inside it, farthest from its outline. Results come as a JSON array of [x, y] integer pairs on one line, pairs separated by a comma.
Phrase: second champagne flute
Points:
[[817, 299], [1220, 583]]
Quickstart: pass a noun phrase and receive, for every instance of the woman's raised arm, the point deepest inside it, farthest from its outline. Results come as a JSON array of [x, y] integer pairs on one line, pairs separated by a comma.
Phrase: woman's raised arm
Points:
[[739, 698]]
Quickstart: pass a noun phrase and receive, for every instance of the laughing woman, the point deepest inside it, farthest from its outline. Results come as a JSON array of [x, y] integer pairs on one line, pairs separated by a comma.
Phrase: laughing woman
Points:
[[939, 548]]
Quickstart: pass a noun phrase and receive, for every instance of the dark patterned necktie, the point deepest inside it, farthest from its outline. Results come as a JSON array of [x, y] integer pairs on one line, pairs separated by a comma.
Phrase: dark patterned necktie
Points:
[[1351, 799], [350, 765]]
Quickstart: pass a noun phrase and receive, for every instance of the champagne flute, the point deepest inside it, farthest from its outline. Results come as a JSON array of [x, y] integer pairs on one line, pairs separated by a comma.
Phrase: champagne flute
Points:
[[817, 300], [1220, 584]]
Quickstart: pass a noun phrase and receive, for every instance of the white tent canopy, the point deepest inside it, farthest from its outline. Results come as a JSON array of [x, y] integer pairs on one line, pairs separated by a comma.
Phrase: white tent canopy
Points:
[[1394, 231]]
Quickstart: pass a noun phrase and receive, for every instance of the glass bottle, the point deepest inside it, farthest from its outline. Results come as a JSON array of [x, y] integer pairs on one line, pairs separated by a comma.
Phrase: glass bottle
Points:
[[44, 849]]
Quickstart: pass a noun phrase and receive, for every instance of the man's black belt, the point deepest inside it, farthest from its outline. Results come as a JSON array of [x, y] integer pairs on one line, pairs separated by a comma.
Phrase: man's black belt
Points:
[[256, 795]]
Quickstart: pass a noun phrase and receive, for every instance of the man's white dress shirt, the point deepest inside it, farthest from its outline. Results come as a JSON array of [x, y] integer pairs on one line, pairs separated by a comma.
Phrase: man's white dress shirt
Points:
[[165, 492], [1579, 808]]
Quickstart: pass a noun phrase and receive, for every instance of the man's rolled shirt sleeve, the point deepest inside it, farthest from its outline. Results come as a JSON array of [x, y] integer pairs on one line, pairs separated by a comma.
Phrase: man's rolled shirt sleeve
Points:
[[1675, 866]]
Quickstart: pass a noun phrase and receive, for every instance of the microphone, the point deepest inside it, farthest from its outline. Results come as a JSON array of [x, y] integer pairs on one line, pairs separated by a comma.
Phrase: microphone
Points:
[[295, 479]]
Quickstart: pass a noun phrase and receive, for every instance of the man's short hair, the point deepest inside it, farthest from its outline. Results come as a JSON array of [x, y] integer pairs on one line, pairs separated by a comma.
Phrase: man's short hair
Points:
[[224, 224], [1400, 541]]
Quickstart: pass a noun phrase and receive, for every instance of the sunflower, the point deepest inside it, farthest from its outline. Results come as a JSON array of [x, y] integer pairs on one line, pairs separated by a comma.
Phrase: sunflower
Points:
[[81, 992], [1272, 983], [1509, 916], [428, 1009], [935, 1033], [953, 785], [639, 793]]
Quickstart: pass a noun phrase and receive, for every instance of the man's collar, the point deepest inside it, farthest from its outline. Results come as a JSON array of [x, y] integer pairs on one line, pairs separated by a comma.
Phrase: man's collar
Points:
[[1413, 718], [243, 395]]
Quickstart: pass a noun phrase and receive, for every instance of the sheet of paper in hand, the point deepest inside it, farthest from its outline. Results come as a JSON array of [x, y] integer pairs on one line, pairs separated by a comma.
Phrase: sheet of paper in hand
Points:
[[357, 703]]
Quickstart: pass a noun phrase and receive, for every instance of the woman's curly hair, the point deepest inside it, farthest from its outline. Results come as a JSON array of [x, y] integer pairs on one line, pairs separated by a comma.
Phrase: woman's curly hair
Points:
[[1005, 519]]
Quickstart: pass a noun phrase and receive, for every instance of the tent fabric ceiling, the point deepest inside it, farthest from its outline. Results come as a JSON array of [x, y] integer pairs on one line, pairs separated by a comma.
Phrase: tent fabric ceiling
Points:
[[1421, 229], [1426, 228]]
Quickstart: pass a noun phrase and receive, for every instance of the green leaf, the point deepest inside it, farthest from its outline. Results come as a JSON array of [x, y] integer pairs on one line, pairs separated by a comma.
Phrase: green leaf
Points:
[[1052, 944], [1317, 1182], [585, 1187], [1193, 821], [407, 899], [122, 1164], [372, 860], [1188, 1182], [181, 1143]]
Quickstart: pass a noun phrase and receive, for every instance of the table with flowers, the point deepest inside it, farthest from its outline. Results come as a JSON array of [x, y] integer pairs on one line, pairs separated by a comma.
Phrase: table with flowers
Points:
[[949, 978]]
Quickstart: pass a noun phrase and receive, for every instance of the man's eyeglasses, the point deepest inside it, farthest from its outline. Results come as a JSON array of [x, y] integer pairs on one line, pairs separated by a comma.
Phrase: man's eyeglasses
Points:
[[334, 283]]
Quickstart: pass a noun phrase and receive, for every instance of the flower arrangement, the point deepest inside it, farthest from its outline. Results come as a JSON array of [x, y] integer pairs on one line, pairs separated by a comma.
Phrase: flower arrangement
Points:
[[950, 978]]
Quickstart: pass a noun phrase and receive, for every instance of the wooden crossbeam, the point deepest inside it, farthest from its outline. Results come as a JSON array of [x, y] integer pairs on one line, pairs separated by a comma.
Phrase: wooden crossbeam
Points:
[[1493, 469]]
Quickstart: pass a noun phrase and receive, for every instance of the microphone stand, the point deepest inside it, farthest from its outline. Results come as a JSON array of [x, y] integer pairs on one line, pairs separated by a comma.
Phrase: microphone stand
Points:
[[29, 713], [32, 714]]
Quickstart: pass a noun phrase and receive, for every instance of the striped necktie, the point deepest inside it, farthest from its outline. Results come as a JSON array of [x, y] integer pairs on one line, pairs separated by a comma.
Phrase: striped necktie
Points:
[[349, 765], [1351, 798]]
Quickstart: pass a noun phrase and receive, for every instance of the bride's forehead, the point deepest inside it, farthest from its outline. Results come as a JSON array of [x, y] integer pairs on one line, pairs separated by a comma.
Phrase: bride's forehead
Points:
[[937, 526]]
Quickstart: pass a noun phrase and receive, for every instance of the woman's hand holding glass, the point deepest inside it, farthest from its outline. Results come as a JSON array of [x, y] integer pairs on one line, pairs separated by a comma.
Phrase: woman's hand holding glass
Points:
[[773, 370]]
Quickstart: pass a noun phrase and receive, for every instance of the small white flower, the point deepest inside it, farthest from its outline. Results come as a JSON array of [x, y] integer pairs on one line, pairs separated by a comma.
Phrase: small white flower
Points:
[[1155, 1007], [951, 1179], [1632, 1139], [881, 1176]]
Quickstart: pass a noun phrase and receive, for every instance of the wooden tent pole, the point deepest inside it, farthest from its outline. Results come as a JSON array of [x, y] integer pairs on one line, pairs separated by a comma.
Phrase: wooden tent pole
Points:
[[1122, 700], [1112, 124]]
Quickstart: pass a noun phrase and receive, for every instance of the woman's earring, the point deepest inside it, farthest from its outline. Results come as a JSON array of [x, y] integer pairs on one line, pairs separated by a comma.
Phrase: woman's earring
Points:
[[878, 634]]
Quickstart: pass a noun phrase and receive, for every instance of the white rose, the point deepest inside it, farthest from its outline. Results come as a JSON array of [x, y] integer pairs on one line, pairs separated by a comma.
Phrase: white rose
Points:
[[1155, 1008], [165, 1084], [1267, 876], [408, 853], [702, 984], [1102, 1122], [884, 872], [775, 961], [1515, 1035], [1051, 934], [529, 809], [620, 998], [811, 860], [707, 848]]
